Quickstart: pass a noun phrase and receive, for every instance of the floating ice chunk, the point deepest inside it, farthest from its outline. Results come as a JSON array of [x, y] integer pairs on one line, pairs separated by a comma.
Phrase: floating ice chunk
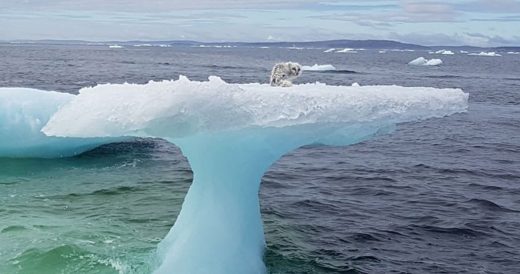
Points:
[[445, 52], [231, 134], [421, 61], [513, 52], [23, 113], [382, 51], [434, 62], [115, 47], [329, 50], [356, 84], [143, 45], [317, 67], [403, 50], [346, 50], [463, 52], [295, 48], [486, 54]]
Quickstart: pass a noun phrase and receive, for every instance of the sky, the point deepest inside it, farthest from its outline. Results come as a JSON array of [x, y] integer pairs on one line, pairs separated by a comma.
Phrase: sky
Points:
[[455, 22]]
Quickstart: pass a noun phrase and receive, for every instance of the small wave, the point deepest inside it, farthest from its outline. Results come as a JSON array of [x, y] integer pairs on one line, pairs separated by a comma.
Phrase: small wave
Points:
[[13, 228], [489, 205], [228, 67], [364, 237], [458, 231], [283, 261], [365, 258], [116, 190], [486, 187], [444, 76], [316, 205], [342, 71], [65, 259]]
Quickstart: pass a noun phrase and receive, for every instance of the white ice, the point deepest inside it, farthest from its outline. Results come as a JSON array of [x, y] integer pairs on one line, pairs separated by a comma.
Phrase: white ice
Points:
[[421, 61], [317, 67], [444, 52], [486, 54], [346, 50]]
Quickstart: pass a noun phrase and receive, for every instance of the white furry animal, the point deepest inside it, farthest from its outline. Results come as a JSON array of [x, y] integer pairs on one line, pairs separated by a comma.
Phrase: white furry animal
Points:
[[283, 74]]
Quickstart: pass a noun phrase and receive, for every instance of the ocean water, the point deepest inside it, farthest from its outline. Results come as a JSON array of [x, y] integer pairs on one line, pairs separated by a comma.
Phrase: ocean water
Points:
[[439, 196]]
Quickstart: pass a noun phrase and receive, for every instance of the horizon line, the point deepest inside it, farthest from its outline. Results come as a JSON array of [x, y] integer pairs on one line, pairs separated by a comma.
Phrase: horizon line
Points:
[[245, 42]]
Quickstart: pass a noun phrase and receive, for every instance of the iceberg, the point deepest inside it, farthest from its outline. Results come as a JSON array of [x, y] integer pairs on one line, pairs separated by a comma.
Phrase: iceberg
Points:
[[231, 134], [444, 52], [317, 67], [486, 54], [421, 61], [513, 52], [329, 50], [346, 50], [115, 47], [23, 113]]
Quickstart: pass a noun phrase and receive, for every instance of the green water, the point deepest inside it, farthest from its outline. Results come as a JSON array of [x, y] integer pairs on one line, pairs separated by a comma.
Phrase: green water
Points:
[[101, 212]]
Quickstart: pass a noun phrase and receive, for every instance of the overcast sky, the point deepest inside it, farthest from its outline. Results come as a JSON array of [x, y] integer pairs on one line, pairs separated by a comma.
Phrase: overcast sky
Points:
[[456, 22]]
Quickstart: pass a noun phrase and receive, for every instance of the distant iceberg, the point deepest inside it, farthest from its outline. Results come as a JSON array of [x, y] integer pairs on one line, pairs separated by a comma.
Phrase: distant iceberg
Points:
[[214, 46], [115, 47], [421, 61], [513, 52], [295, 48], [346, 50], [402, 50], [444, 52], [329, 50], [317, 67], [143, 45], [486, 54]]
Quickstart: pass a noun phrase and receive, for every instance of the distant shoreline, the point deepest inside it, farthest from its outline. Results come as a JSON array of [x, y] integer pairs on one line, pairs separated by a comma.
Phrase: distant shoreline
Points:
[[365, 44]]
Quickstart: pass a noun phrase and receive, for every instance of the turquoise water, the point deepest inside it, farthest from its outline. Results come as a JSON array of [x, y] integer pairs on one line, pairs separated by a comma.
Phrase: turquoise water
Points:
[[101, 212]]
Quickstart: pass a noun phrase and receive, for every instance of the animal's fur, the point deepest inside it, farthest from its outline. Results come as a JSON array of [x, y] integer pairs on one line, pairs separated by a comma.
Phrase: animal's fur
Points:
[[283, 74]]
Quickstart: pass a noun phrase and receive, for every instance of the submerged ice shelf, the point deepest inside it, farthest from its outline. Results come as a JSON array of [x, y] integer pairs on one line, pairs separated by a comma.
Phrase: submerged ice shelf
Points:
[[23, 113], [231, 134]]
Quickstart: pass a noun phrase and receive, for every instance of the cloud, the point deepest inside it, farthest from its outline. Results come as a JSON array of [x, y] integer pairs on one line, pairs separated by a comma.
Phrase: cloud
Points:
[[491, 6], [512, 18], [458, 39], [455, 22]]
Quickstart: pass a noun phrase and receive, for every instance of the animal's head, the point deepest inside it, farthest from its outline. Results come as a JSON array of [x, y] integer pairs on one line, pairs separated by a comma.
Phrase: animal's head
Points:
[[295, 69]]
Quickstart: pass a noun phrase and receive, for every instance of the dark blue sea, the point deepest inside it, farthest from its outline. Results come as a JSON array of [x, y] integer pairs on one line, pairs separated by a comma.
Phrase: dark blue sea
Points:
[[437, 196]]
